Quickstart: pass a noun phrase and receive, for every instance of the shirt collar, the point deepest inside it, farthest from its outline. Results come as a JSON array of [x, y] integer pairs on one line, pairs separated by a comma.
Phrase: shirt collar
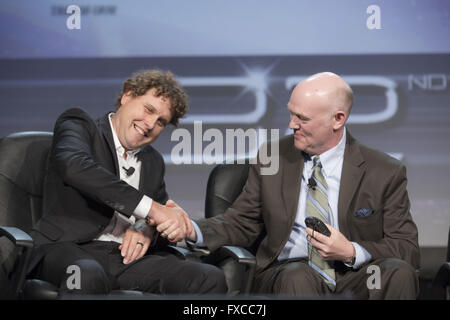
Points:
[[119, 148], [331, 157]]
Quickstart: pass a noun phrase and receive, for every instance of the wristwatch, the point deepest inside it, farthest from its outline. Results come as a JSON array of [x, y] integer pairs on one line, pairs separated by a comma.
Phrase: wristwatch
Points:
[[352, 262], [353, 259]]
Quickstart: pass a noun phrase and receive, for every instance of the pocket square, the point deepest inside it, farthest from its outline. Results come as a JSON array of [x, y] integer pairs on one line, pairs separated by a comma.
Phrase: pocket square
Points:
[[363, 212]]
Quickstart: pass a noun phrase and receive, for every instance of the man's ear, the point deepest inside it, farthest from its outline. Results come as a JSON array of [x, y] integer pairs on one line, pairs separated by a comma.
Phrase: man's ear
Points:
[[127, 96], [339, 119]]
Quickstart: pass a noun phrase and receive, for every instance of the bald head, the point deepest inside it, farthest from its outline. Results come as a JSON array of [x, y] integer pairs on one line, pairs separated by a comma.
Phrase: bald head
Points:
[[319, 108], [335, 93]]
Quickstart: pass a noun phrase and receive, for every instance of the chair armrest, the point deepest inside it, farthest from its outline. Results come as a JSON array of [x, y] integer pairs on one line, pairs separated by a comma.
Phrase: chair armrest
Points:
[[181, 253], [238, 254], [442, 278], [17, 236], [178, 251], [24, 242]]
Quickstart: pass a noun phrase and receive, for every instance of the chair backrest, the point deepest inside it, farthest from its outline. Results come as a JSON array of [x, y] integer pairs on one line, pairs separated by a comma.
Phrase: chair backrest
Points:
[[23, 158], [225, 184]]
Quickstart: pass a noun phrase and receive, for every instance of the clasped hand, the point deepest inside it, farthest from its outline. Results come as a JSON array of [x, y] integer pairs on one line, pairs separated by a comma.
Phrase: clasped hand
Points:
[[171, 220]]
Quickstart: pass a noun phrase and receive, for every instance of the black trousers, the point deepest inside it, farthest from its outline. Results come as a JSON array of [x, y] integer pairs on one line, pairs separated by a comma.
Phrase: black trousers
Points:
[[396, 280], [97, 268]]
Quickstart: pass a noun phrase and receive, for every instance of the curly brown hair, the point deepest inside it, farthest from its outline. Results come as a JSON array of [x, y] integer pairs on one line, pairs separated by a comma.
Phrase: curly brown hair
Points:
[[165, 84]]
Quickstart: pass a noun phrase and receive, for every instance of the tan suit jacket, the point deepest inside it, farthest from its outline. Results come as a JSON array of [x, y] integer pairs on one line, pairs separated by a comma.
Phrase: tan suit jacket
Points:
[[267, 206]]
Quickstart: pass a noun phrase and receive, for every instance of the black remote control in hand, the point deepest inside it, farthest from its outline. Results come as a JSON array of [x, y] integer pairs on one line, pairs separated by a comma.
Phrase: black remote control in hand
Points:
[[317, 225]]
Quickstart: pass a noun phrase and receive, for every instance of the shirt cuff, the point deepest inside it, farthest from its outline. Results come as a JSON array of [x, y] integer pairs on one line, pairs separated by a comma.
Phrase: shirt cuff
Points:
[[199, 242], [362, 256], [143, 208]]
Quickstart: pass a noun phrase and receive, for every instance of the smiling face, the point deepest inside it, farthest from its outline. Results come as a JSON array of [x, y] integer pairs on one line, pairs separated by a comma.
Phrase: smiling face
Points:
[[318, 110], [139, 120]]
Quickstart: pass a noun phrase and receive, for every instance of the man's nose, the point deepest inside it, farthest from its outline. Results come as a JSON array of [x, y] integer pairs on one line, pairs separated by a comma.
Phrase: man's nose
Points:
[[150, 122], [293, 124]]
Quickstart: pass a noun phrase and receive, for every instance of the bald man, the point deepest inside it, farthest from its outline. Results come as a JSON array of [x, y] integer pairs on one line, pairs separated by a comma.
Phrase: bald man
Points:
[[372, 251]]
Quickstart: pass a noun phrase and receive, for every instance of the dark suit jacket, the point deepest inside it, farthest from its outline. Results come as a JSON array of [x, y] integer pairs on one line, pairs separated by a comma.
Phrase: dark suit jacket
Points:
[[82, 188], [268, 204]]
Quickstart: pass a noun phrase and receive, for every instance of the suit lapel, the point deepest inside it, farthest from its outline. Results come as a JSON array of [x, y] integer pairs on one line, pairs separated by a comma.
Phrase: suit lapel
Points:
[[351, 176], [291, 179], [145, 168], [105, 128]]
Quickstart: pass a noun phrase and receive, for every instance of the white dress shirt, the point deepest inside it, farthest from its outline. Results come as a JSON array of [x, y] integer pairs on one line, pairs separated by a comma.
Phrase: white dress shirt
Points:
[[120, 223]]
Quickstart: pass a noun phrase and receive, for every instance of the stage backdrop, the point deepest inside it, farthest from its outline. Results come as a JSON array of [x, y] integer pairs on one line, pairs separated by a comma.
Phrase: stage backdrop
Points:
[[238, 61]]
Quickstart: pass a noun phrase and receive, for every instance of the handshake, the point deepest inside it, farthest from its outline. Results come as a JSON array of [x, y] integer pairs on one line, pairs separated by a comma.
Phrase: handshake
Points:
[[171, 221]]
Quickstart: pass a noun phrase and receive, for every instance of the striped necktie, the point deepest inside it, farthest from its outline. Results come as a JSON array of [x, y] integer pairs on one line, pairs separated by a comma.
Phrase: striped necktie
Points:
[[317, 206]]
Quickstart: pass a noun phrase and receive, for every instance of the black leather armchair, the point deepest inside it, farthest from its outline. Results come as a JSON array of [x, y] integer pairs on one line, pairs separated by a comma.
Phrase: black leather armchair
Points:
[[23, 161], [442, 278], [22, 165], [225, 183]]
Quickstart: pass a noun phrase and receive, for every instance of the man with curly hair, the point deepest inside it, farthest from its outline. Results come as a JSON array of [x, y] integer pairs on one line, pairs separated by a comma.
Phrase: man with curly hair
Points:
[[104, 192]]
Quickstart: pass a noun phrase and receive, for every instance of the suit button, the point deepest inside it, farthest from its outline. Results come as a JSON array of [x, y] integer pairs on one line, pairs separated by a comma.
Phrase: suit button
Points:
[[100, 227]]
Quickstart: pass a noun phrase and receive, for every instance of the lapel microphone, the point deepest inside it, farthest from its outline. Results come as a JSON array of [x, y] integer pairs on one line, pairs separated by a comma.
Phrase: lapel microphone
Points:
[[311, 183], [129, 171]]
